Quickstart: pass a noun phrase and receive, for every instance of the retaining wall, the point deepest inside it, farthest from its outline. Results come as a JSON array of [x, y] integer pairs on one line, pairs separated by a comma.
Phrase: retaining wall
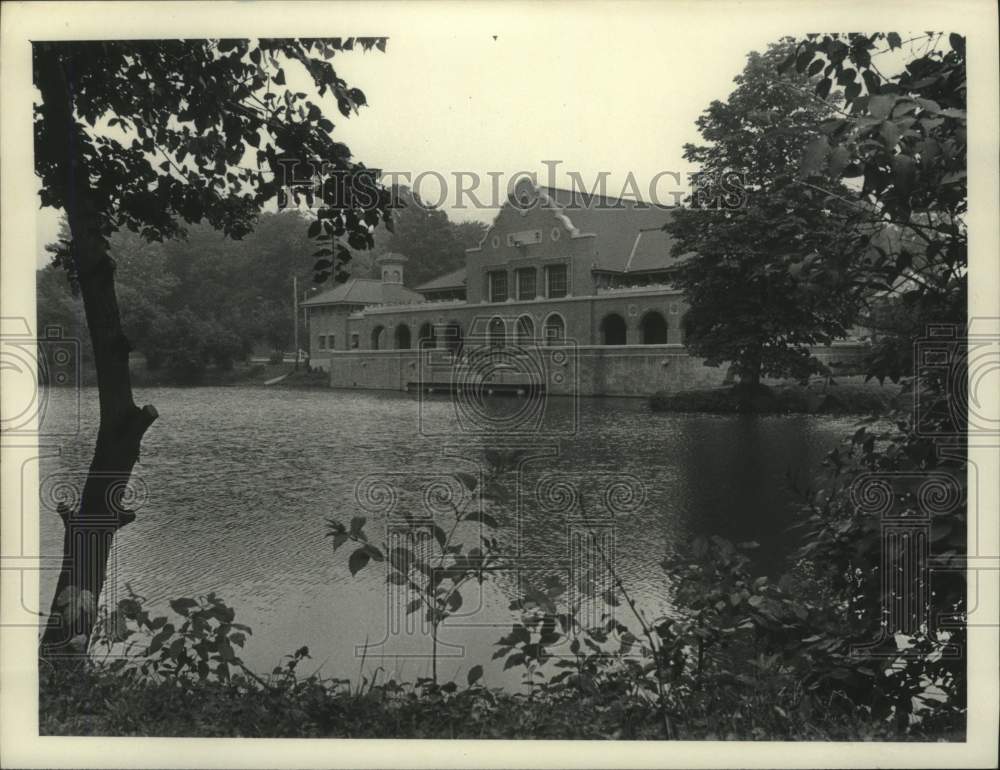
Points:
[[597, 370]]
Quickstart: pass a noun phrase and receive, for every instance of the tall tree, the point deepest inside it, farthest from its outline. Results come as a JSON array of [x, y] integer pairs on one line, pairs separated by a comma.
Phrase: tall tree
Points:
[[147, 136], [752, 235]]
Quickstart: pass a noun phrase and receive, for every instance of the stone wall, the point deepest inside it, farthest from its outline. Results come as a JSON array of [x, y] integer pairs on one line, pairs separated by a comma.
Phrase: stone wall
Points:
[[582, 370]]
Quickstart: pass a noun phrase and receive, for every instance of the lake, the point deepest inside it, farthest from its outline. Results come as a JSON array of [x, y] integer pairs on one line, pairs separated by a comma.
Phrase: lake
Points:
[[236, 485]]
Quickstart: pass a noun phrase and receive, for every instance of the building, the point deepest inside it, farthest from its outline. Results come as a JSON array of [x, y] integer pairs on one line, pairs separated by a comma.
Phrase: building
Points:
[[585, 278]]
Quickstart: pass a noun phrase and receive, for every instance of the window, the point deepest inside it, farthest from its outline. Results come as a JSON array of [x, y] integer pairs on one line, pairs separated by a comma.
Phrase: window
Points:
[[426, 335], [377, 333], [555, 281], [329, 342], [498, 286], [555, 329], [497, 332], [402, 336], [613, 330], [355, 340], [654, 329], [526, 283], [524, 331], [322, 342]]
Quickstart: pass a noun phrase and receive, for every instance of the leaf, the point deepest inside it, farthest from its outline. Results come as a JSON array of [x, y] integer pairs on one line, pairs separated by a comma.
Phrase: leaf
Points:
[[890, 135], [823, 88], [183, 606], [814, 157], [514, 660], [357, 523], [880, 106], [315, 228], [279, 77], [957, 43], [358, 560], [474, 675], [894, 40], [904, 173], [157, 641], [839, 159]]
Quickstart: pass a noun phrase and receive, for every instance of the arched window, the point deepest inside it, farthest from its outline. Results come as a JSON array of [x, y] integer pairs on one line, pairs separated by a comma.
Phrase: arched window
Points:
[[524, 330], [425, 337], [453, 336], [402, 337], [377, 335], [654, 329], [497, 334], [554, 329], [613, 330]]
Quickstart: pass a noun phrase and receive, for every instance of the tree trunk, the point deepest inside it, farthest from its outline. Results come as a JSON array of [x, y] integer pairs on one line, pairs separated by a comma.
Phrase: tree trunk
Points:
[[91, 526], [751, 368]]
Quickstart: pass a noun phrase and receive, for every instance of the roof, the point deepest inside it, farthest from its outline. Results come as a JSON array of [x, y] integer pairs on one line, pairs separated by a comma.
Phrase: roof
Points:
[[651, 252], [629, 235], [364, 291], [453, 280]]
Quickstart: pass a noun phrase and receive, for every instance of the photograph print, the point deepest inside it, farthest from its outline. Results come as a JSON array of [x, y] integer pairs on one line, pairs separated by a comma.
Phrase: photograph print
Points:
[[498, 383]]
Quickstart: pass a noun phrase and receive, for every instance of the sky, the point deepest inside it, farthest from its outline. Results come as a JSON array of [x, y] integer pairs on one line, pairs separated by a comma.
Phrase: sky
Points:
[[596, 93]]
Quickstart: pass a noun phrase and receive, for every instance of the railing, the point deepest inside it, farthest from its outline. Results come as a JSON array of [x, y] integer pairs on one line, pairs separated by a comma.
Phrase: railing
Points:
[[636, 289]]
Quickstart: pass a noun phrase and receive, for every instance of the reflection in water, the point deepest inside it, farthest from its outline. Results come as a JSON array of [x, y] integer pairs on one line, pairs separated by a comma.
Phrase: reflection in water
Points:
[[241, 482]]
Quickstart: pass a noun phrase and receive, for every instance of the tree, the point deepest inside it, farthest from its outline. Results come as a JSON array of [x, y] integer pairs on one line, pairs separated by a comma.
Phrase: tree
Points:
[[903, 138], [148, 136], [765, 275]]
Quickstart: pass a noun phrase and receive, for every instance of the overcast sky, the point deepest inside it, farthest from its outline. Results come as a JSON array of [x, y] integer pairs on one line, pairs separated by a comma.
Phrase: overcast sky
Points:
[[583, 92]]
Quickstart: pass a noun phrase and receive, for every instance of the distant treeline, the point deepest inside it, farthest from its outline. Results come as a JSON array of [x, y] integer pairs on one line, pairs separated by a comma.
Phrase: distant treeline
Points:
[[210, 301]]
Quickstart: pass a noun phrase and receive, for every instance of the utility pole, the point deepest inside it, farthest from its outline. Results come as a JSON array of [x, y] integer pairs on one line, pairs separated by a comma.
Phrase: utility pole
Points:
[[295, 316]]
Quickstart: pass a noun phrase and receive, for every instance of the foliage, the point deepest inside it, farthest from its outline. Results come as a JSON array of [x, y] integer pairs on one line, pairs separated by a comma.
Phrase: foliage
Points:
[[903, 138], [177, 121], [435, 563], [152, 692], [198, 646], [821, 396], [764, 276]]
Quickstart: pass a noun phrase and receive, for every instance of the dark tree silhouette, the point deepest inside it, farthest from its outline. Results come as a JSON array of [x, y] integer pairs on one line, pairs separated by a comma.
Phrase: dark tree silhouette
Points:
[[148, 136]]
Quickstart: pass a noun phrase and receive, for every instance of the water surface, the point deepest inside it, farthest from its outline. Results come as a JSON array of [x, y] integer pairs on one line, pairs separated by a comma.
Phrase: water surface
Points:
[[237, 484]]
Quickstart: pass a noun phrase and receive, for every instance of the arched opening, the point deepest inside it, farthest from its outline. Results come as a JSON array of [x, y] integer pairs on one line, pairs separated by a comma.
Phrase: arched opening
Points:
[[453, 336], [614, 330], [377, 334], [654, 329], [497, 332], [554, 329], [425, 337], [524, 330], [402, 337]]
